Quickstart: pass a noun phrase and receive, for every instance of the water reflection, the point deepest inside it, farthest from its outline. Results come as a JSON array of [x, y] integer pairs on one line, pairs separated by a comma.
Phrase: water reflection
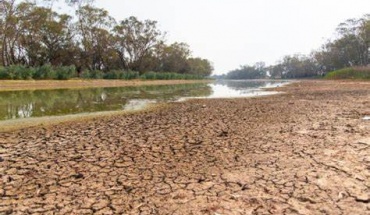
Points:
[[25, 104], [242, 88], [21, 111]]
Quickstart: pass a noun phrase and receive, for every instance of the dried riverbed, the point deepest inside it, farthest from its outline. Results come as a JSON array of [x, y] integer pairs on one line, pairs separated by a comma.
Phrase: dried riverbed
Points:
[[302, 152]]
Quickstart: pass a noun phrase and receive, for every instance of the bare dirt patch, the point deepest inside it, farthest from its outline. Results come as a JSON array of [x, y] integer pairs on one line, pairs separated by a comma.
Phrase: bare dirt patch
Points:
[[301, 152]]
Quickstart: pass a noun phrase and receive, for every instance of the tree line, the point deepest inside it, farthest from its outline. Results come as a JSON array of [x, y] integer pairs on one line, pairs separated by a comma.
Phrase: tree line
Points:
[[33, 35], [350, 48]]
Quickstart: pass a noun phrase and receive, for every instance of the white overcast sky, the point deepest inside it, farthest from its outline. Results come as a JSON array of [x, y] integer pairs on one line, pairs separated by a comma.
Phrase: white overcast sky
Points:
[[231, 33]]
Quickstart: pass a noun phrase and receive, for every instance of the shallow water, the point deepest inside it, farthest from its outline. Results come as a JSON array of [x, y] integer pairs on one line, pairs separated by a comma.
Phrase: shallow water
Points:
[[39, 103]]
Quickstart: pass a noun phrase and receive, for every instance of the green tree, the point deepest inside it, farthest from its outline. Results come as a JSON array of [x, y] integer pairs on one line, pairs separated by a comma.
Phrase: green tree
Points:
[[258, 71], [94, 26], [10, 30], [174, 58], [199, 66], [135, 41], [298, 66], [32, 34]]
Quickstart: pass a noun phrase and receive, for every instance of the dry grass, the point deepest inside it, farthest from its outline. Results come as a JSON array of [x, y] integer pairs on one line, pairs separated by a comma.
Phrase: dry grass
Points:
[[11, 85]]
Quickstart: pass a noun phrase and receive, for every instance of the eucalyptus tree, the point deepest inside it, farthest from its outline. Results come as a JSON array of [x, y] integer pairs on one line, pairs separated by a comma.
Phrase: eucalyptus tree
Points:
[[246, 72], [94, 26], [276, 71], [199, 66], [135, 41], [365, 35], [353, 41], [32, 33], [299, 66], [57, 38], [8, 30], [174, 58], [46, 36], [327, 58]]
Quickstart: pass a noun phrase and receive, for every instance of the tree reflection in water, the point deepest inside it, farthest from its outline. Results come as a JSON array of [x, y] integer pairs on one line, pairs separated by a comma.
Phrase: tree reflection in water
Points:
[[21, 111], [25, 104]]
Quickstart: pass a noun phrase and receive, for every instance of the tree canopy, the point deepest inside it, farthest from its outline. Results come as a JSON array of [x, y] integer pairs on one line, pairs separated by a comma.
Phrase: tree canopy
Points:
[[350, 48], [33, 34], [257, 71]]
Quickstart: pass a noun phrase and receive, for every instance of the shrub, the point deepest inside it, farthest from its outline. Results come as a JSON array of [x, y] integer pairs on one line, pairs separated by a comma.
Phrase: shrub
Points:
[[129, 75], [121, 74], [94, 74], [65, 72], [149, 76], [3, 73], [19, 72], [44, 72], [350, 73], [85, 74], [115, 74]]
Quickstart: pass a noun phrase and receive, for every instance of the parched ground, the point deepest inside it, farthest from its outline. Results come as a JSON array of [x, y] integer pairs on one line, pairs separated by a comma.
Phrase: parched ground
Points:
[[303, 152]]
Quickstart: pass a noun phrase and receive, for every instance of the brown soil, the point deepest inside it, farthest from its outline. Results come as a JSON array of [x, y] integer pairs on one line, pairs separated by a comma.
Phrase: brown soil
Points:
[[303, 152], [53, 84]]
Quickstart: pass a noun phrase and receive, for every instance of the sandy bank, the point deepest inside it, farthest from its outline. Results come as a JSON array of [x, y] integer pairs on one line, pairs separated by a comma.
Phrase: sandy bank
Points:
[[7, 85], [302, 152]]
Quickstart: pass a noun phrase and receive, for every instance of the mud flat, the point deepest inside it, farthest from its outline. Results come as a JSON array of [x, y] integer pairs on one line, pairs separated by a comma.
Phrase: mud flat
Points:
[[302, 152]]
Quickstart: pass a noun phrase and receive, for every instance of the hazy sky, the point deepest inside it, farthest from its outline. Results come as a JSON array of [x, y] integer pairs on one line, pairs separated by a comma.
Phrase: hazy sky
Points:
[[231, 33]]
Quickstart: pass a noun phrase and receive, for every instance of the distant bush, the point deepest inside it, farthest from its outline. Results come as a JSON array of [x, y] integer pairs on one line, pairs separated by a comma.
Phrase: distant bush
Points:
[[120, 74], [44, 72], [21, 72], [3, 74], [128, 75], [350, 73], [115, 74], [16, 72], [94, 74], [48, 72], [85, 74], [65, 72]]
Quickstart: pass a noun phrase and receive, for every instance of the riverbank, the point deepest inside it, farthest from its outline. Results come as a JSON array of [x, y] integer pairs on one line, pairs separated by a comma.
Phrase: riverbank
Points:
[[11, 85], [47, 121], [302, 152]]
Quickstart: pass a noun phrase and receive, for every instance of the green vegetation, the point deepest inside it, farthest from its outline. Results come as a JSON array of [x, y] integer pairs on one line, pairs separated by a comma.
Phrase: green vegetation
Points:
[[37, 42], [20, 72], [15, 73], [350, 73], [350, 49], [47, 72], [116, 74], [248, 72]]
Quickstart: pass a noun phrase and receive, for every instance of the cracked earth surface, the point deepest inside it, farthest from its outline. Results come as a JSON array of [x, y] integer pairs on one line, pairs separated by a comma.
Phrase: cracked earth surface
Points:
[[303, 152]]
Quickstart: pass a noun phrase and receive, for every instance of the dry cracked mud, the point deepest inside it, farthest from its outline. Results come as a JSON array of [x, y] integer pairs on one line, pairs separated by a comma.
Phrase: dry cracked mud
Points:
[[306, 151]]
